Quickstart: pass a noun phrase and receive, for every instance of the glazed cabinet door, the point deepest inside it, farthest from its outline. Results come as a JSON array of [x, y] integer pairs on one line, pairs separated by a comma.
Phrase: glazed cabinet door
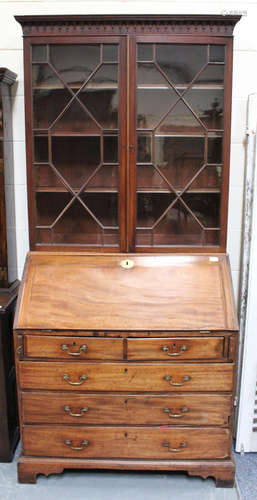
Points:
[[77, 110], [180, 164]]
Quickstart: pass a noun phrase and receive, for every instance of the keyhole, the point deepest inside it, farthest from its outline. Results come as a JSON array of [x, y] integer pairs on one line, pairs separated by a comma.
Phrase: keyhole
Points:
[[174, 346], [126, 370]]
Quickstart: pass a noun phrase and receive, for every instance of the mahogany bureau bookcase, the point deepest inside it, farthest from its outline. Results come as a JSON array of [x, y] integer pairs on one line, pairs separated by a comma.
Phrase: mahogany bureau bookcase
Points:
[[126, 353]]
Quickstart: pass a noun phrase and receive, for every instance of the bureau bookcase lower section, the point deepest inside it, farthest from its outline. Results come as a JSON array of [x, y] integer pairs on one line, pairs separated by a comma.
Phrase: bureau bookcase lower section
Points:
[[149, 399]]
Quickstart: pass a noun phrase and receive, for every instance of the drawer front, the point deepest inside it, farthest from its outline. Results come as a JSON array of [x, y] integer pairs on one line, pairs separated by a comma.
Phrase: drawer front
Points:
[[72, 347], [176, 348], [126, 376], [102, 409], [126, 442]]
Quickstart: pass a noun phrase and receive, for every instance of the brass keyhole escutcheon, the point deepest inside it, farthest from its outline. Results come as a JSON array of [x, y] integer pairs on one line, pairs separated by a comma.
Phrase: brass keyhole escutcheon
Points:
[[127, 263]]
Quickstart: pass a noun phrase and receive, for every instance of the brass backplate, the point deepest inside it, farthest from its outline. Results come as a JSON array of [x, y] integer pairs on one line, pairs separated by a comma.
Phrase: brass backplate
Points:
[[127, 264]]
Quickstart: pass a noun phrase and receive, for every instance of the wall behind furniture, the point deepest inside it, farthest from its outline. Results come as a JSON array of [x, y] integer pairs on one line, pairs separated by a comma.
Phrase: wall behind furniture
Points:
[[244, 83]]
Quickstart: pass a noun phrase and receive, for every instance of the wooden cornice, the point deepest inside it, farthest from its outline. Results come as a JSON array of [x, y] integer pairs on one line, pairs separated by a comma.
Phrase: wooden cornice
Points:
[[7, 76], [205, 25]]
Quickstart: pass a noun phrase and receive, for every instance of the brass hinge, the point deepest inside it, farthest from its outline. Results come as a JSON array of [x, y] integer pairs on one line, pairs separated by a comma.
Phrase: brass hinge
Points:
[[19, 349], [235, 400]]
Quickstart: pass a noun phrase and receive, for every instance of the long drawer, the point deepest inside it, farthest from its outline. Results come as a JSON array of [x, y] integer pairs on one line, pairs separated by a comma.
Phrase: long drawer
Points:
[[40, 346], [126, 376], [176, 348], [126, 442], [70, 408]]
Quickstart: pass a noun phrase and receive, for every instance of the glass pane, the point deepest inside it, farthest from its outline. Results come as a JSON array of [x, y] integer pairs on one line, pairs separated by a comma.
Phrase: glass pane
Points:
[[148, 75], [213, 74], [49, 96], [76, 226], [144, 52], [179, 158], [180, 121], [76, 158], [100, 96], [104, 206], [41, 148], [150, 206], [181, 62], [152, 106], [214, 149], [208, 105], [206, 207], [49, 206], [211, 237], [149, 178], [178, 227], [76, 120], [44, 236], [75, 62], [45, 176], [217, 53], [110, 149], [106, 177], [39, 53], [209, 178], [110, 53], [144, 153]]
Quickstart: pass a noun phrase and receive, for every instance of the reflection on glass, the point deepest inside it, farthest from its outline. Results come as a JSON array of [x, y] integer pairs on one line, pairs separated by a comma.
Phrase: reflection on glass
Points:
[[100, 96], [104, 206], [45, 176], [212, 74], [110, 53], [41, 148], [75, 62], [181, 62], [39, 53], [148, 75], [110, 149], [105, 177], [180, 121], [144, 52], [150, 206], [76, 119], [43, 77], [144, 153], [179, 158], [217, 53], [209, 178], [214, 149], [208, 105], [152, 106], [205, 207], [149, 177], [177, 227], [83, 153]]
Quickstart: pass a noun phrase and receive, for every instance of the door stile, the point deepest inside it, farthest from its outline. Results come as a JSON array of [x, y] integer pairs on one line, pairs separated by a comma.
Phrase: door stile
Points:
[[131, 156]]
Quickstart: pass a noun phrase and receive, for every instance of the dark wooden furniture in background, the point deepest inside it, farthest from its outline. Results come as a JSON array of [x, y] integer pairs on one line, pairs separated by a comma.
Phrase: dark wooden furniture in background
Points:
[[8, 292], [127, 362], [128, 131]]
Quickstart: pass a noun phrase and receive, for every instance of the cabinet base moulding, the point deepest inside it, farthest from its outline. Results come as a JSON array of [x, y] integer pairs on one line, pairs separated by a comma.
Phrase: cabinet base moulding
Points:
[[222, 471]]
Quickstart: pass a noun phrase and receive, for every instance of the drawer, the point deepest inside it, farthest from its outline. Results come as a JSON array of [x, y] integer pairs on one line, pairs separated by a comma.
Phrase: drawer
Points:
[[72, 347], [126, 442], [126, 376], [190, 409], [176, 348]]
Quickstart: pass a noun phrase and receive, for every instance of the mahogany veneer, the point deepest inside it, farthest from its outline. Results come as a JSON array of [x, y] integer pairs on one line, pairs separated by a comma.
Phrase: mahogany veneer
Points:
[[113, 374]]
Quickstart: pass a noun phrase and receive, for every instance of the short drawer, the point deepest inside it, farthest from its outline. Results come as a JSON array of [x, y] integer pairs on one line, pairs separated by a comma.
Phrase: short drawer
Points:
[[150, 377], [173, 348], [126, 442], [39, 346], [70, 408]]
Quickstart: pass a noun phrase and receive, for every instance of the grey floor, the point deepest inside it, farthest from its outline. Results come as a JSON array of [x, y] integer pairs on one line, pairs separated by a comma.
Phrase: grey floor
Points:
[[102, 485]]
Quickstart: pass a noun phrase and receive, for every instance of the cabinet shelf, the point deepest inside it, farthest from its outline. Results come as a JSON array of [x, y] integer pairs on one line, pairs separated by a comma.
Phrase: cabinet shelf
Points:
[[76, 190], [178, 191], [95, 86], [180, 87]]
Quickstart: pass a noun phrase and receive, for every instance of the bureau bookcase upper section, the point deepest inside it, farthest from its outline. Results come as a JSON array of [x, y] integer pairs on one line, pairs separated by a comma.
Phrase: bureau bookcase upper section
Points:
[[128, 131]]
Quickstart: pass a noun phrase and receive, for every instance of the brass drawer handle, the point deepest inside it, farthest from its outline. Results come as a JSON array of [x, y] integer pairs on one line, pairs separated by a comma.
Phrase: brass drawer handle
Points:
[[185, 379], [65, 347], [82, 411], [82, 379], [167, 445], [166, 349], [176, 415], [76, 448]]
